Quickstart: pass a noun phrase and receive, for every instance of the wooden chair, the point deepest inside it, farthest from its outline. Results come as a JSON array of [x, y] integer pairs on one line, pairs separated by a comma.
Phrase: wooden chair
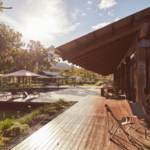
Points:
[[122, 122], [30, 92]]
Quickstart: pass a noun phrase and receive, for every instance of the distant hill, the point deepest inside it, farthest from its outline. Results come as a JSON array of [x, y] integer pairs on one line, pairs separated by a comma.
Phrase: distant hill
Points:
[[62, 66]]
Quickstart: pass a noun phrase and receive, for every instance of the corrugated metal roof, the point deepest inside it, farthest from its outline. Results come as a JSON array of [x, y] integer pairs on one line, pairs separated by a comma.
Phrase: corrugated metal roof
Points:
[[102, 50]]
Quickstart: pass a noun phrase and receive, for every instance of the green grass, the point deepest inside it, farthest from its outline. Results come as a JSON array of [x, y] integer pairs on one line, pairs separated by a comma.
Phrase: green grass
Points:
[[7, 87], [11, 114], [89, 84]]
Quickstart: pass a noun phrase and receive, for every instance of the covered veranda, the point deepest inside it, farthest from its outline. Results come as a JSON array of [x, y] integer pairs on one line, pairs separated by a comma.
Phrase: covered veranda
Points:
[[121, 48]]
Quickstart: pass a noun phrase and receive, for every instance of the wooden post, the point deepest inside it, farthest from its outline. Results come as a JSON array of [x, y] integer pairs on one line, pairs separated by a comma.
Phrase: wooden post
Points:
[[118, 78], [115, 73], [148, 76], [123, 78], [23, 84], [127, 78], [141, 75]]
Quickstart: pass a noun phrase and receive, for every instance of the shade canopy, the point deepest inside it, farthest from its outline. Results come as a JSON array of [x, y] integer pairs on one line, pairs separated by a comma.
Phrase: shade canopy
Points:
[[22, 73], [43, 77], [74, 77], [60, 77], [102, 50]]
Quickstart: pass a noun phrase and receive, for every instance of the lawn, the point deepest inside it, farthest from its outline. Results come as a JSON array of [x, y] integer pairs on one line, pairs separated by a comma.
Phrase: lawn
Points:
[[7, 87]]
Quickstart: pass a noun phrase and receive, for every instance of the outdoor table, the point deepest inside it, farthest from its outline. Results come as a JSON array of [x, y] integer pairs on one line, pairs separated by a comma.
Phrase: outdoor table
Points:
[[105, 88], [145, 125]]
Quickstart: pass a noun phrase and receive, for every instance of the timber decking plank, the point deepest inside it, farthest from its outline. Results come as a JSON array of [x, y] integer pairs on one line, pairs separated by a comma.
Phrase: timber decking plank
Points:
[[53, 127], [99, 118], [76, 127], [77, 144], [64, 127], [91, 136], [83, 127], [100, 139]]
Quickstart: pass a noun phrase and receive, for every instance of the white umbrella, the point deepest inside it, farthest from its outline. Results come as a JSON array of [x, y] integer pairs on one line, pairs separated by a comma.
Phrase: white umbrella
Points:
[[59, 77], [74, 77], [22, 73]]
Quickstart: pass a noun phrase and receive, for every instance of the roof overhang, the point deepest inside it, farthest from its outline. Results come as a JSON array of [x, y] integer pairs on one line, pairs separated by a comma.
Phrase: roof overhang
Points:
[[102, 50]]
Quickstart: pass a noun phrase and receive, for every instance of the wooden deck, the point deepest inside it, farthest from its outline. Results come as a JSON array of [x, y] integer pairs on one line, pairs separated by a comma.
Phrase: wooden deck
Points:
[[84, 127]]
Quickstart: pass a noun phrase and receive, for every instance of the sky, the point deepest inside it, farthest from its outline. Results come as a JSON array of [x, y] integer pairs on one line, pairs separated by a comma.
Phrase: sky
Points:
[[56, 22]]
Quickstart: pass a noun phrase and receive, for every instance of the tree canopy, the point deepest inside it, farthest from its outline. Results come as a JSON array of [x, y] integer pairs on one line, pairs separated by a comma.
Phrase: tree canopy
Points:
[[15, 56]]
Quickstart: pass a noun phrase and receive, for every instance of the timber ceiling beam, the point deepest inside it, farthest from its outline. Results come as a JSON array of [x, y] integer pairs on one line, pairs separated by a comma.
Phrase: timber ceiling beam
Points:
[[102, 62], [94, 35], [77, 43], [108, 56], [103, 53], [100, 67], [109, 47], [93, 45], [132, 21], [105, 73], [143, 32], [113, 28]]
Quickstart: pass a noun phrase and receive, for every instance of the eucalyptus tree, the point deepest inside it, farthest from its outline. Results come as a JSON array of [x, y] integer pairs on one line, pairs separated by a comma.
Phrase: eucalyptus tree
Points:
[[10, 42]]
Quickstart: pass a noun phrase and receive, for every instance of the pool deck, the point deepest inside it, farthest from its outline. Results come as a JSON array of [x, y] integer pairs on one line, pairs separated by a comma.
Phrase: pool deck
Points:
[[84, 126], [69, 94]]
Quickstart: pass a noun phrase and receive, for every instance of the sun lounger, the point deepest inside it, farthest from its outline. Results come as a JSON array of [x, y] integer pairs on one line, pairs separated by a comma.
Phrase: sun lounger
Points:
[[31, 92], [14, 92]]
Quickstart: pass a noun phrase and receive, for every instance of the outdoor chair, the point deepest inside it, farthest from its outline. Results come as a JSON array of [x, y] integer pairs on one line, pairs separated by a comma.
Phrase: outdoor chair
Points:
[[122, 122], [14, 92], [31, 92], [137, 111]]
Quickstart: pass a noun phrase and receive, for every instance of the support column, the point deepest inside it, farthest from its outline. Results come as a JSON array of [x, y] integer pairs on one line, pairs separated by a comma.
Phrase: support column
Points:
[[127, 78], [148, 77], [117, 78], [141, 75], [122, 78]]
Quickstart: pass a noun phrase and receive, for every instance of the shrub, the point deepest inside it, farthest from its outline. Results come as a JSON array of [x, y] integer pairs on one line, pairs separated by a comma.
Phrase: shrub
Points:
[[49, 110], [3, 141], [40, 117], [16, 129], [35, 112], [57, 106], [99, 83], [21, 121], [6, 124], [28, 119], [63, 102], [67, 81], [16, 85]]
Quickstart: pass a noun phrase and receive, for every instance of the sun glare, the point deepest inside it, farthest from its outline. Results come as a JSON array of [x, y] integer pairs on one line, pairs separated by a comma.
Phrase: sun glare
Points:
[[38, 29]]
